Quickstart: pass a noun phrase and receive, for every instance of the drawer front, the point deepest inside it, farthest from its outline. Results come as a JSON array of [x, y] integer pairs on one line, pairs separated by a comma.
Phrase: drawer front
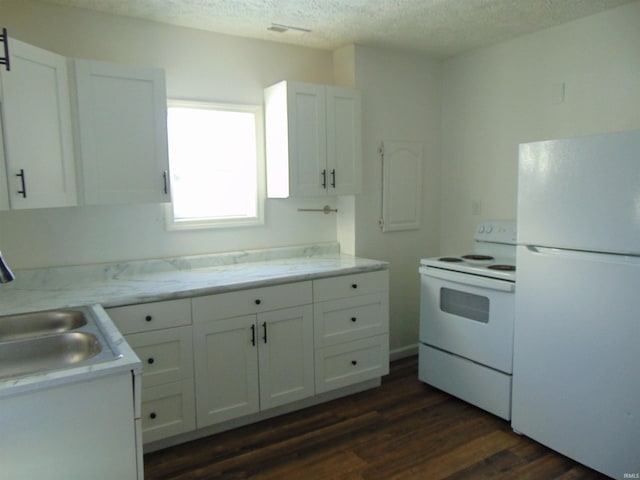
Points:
[[348, 363], [145, 317], [248, 302], [166, 355], [350, 285], [349, 319], [168, 410]]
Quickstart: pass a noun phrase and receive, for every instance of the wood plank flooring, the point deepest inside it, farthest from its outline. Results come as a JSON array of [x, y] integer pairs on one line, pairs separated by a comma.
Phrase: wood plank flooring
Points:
[[401, 430]]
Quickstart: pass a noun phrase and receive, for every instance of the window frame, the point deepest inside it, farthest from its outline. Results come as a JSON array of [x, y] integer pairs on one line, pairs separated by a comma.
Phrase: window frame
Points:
[[226, 222]]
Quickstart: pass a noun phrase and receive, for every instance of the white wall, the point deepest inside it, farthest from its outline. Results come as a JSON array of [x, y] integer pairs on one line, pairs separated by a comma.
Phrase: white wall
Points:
[[401, 101], [472, 111], [198, 65], [498, 97]]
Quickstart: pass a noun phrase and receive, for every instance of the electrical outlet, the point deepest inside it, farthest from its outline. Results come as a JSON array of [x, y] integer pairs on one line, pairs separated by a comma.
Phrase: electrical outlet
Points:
[[476, 207]]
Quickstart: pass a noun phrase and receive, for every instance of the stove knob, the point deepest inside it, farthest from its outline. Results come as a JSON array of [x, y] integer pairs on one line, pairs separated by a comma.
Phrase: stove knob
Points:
[[481, 229], [489, 228]]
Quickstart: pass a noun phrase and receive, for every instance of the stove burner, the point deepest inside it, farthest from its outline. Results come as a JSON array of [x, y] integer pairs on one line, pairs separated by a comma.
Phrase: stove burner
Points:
[[450, 259], [478, 257], [504, 268]]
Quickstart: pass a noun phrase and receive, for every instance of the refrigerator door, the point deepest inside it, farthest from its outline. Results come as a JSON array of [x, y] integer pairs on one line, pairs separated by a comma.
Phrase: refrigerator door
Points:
[[576, 374], [581, 193]]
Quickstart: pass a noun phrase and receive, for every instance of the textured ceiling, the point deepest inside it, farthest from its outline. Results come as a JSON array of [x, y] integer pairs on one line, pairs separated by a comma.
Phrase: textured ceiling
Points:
[[439, 28]]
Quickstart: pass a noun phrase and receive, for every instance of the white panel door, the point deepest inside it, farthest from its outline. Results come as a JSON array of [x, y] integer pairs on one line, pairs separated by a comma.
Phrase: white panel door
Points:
[[122, 121], [37, 129], [226, 369], [401, 185], [286, 356], [307, 139], [344, 141]]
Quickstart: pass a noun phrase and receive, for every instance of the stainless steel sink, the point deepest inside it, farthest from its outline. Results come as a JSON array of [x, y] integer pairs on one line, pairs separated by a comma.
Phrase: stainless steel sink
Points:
[[47, 353], [39, 342], [40, 323]]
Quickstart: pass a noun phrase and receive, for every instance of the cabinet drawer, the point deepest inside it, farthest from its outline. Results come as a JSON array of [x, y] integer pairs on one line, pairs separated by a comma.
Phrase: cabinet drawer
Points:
[[166, 355], [350, 285], [145, 317], [168, 410], [247, 302], [348, 363], [349, 319]]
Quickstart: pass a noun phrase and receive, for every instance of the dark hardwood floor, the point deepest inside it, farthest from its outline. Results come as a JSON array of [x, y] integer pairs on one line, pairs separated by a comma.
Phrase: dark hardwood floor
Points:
[[401, 430]]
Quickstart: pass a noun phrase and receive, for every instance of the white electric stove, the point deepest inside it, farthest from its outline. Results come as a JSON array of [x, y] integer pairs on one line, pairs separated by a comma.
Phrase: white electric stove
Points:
[[467, 310]]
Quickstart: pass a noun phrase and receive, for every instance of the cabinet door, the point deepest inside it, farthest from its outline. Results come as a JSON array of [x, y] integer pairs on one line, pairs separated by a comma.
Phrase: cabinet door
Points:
[[308, 173], [344, 141], [286, 356], [166, 355], [122, 125], [168, 410], [4, 192], [226, 367], [37, 129]]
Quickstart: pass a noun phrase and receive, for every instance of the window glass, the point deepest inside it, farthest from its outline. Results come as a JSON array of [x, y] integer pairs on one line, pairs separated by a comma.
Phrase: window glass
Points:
[[216, 162]]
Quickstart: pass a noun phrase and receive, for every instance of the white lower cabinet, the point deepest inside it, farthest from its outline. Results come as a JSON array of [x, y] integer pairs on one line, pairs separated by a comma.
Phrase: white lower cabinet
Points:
[[351, 320], [252, 362], [160, 333], [168, 410], [82, 430], [211, 359]]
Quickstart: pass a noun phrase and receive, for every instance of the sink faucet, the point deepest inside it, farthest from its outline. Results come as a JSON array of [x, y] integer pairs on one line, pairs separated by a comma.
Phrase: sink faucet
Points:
[[6, 275]]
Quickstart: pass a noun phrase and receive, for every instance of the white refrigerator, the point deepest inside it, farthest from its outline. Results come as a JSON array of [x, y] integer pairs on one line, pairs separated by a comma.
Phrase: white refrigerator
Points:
[[576, 363]]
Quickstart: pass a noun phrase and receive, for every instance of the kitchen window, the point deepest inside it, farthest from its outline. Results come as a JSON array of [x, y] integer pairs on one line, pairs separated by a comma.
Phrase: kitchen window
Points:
[[216, 158]]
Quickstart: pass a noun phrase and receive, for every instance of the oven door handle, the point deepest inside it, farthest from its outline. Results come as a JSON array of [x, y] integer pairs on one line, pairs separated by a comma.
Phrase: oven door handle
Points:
[[469, 279]]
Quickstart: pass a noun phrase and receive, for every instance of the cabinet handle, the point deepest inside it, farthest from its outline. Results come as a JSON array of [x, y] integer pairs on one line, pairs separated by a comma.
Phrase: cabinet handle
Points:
[[148, 318], [333, 178], [150, 360], [354, 285], [354, 362], [264, 329], [257, 301], [253, 335], [152, 415], [165, 180], [22, 192], [354, 319], [5, 39], [324, 178]]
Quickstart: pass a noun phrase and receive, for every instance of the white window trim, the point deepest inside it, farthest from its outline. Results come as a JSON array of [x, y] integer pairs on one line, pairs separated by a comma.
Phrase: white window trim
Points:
[[228, 222]]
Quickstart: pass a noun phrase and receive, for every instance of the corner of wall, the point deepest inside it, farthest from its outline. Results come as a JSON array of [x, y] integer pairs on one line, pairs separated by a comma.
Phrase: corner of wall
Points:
[[344, 69]]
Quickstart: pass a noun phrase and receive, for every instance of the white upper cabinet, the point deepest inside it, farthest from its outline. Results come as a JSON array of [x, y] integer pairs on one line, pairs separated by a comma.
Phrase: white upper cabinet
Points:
[[313, 139], [37, 134], [121, 133]]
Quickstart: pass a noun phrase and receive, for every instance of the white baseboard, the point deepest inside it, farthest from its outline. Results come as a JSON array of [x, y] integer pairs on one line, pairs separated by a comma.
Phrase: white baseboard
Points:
[[403, 352]]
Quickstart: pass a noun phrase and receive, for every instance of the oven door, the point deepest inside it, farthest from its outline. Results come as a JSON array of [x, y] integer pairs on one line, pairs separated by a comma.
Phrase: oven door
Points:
[[469, 316]]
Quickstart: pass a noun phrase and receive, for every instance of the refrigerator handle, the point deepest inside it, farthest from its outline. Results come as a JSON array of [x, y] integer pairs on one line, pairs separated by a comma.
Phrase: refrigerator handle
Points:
[[585, 255]]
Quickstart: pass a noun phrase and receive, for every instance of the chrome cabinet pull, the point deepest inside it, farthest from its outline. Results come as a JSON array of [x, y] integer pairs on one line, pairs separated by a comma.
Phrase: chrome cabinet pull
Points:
[[22, 192]]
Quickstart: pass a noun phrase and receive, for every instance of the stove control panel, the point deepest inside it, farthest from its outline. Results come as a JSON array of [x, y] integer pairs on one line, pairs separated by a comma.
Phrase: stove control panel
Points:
[[497, 231]]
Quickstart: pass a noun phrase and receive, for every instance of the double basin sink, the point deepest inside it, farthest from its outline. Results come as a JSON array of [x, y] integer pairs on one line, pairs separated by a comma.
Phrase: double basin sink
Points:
[[39, 342]]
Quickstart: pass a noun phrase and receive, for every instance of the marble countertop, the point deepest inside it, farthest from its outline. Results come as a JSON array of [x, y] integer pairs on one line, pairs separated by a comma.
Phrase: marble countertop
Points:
[[129, 283], [126, 283]]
